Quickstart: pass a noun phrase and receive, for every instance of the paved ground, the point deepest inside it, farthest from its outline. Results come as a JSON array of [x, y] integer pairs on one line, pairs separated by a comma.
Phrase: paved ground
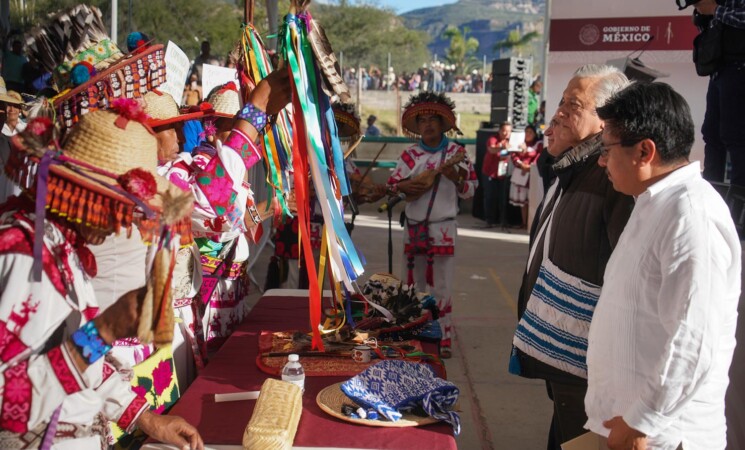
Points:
[[499, 411]]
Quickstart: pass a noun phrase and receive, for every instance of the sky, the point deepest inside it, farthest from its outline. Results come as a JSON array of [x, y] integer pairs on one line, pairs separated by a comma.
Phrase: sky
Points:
[[402, 6]]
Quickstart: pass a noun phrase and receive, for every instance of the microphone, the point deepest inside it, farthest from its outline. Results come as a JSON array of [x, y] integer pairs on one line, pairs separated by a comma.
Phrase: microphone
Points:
[[392, 201]]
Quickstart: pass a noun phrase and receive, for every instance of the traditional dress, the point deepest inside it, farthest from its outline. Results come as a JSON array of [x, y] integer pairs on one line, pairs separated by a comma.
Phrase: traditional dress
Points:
[[39, 376], [433, 272], [215, 176], [520, 181]]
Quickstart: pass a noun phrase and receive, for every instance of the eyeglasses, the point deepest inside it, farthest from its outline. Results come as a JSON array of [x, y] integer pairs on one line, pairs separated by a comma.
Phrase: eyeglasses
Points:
[[605, 148]]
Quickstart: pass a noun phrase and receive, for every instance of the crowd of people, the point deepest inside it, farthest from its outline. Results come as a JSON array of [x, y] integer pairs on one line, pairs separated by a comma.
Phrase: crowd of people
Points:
[[436, 77]]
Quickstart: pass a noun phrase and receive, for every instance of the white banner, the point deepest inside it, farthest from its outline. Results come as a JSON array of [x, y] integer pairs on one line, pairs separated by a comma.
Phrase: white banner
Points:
[[214, 76], [177, 71]]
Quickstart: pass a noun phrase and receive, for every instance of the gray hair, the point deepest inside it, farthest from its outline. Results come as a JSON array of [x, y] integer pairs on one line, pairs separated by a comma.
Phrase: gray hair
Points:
[[611, 80]]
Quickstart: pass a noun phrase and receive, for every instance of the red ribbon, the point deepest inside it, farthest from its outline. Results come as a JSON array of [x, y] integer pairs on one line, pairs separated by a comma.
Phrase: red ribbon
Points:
[[300, 161]]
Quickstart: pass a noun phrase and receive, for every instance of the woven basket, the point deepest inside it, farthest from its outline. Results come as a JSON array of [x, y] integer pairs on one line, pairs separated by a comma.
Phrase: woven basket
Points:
[[331, 399]]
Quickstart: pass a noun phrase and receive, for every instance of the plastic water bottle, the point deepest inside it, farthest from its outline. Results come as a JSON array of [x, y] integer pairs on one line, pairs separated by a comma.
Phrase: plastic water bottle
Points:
[[293, 372]]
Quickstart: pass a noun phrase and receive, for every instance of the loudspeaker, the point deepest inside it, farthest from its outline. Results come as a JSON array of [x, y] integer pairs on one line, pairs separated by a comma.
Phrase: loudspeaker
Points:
[[512, 66], [510, 83]]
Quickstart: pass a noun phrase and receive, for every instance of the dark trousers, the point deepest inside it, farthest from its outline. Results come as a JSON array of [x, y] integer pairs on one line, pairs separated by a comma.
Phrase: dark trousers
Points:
[[569, 416], [724, 124], [496, 191]]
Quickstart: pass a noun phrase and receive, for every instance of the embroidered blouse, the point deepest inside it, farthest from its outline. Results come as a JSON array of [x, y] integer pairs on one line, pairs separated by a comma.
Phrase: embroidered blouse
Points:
[[38, 374]]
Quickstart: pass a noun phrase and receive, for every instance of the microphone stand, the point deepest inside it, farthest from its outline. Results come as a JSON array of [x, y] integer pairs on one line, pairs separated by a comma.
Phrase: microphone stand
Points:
[[390, 240]]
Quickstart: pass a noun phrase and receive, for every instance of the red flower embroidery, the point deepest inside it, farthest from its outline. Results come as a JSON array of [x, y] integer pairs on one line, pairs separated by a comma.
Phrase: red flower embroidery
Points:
[[140, 183], [16, 390], [162, 376], [140, 391]]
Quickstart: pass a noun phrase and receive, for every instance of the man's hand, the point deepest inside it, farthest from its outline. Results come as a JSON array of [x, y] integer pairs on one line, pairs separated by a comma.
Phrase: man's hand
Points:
[[706, 7], [272, 93], [623, 437], [452, 173], [170, 430], [413, 188]]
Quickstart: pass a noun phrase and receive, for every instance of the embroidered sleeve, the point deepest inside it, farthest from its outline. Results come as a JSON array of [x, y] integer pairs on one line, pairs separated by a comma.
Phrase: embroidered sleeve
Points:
[[219, 192], [403, 169], [32, 386], [121, 404]]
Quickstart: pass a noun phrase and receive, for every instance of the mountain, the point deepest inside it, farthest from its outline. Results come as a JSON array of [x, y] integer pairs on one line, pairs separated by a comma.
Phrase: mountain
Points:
[[489, 21]]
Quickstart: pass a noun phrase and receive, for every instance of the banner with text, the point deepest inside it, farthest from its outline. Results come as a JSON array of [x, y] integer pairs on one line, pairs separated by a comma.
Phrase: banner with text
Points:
[[624, 33]]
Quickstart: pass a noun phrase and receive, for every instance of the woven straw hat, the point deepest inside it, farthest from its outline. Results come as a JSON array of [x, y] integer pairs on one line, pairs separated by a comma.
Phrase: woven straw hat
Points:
[[429, 103], [163, 110], [332, 398], [105, 175], [347, 122], [9, 97], [225, 100]]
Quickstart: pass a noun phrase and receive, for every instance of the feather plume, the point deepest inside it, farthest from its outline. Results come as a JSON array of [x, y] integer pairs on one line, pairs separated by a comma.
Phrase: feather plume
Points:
[[67, 33], [177, 204], [329, 65]]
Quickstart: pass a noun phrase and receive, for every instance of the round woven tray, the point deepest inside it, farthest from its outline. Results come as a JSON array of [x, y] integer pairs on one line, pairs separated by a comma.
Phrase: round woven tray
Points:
[[331, 399]]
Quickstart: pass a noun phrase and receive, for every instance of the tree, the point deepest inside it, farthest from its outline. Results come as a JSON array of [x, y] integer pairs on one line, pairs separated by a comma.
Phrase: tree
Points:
[[366, 34], [516, 42], [462, 50]]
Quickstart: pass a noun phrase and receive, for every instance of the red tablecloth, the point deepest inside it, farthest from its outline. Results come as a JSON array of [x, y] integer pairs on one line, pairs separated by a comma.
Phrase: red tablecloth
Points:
[[233, 369]]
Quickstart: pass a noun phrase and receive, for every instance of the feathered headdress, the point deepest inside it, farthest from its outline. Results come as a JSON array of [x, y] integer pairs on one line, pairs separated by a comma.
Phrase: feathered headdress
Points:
[[429, 102]]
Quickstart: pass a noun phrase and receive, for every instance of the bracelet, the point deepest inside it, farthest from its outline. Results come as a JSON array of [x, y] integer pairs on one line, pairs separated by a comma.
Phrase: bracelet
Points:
[[254, 214], [254, 116], [89, 342]]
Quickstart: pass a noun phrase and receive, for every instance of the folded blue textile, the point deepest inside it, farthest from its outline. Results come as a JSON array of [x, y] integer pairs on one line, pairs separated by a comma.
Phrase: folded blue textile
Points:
[[392, 386]]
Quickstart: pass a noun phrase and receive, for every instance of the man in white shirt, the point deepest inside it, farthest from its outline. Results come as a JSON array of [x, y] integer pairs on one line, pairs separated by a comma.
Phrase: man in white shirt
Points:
[[663, 334]]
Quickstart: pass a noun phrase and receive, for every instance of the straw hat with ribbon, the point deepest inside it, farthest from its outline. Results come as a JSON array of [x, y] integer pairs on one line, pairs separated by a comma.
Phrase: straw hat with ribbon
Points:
[[89, 70], [429, 103], [225, 100], [347, 121], [162, 110], [104, 177]]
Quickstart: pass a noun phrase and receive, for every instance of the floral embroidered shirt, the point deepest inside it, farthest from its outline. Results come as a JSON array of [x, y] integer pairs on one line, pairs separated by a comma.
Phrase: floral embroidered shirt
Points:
[[37, 375]]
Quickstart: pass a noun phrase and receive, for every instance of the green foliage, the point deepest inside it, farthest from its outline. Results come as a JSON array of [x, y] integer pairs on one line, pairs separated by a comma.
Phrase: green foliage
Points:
[[185, 22], [366, 34], [517, 43], [462, 50]]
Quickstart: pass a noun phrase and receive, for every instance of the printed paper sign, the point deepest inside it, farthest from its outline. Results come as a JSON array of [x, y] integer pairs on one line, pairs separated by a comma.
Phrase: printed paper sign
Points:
[[214, 76], [177, 71]]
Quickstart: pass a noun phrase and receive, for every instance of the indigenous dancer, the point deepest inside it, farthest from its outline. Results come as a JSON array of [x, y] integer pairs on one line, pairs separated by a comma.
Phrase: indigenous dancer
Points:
[[57, 387], [428, 175], [224, 208]]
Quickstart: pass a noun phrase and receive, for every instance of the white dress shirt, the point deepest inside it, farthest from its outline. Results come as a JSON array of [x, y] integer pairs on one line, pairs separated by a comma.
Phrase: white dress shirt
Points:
[[663, 333]]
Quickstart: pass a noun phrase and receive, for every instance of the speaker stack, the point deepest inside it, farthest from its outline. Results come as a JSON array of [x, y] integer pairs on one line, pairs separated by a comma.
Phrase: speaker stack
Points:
[[510, 83]]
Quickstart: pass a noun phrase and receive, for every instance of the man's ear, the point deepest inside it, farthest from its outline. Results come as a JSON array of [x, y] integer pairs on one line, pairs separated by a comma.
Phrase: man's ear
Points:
[[647, 150]]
